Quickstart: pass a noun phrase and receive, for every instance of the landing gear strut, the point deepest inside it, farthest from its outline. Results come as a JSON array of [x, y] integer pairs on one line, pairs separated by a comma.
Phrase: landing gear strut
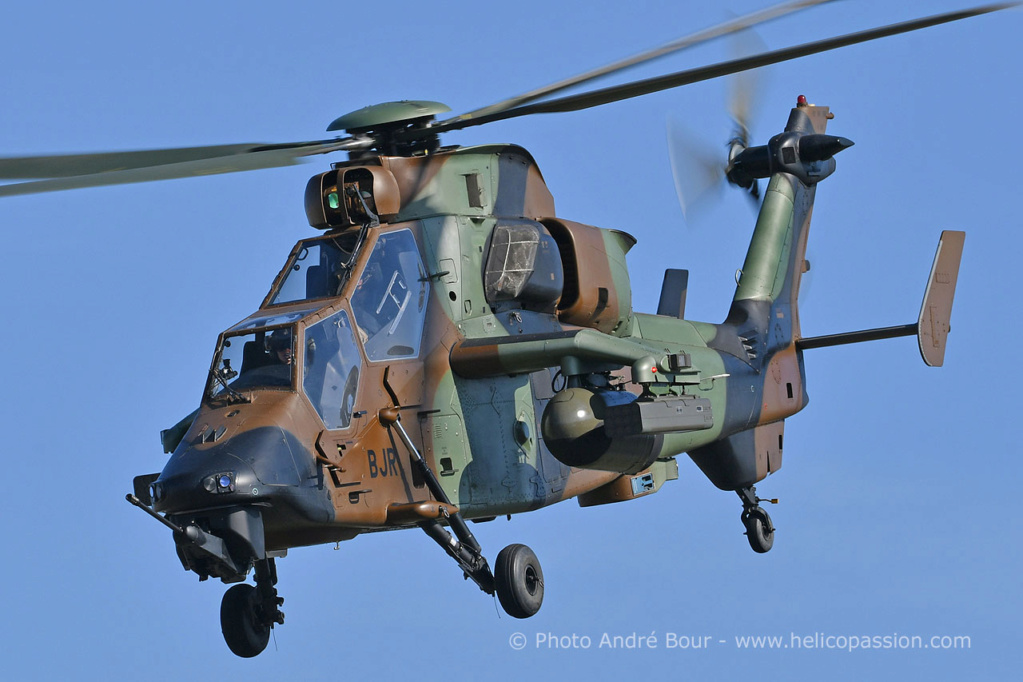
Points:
[[247, 613], [759, 529], [519, 580]]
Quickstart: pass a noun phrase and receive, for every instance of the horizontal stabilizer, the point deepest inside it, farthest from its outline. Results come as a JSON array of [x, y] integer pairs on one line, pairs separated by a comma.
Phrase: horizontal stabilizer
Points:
[[856, 337], [932, 327]]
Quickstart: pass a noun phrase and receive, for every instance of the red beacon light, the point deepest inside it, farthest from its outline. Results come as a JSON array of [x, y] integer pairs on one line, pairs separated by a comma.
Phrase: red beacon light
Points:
[[801, 101]]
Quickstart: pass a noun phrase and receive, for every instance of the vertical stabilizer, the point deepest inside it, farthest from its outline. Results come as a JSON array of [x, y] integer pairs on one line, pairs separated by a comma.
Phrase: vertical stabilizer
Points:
[[936, 311], [775, 261], [673, 293]]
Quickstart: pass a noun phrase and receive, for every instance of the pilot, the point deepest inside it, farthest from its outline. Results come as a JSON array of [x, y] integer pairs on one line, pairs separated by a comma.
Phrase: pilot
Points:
[[279, 345]]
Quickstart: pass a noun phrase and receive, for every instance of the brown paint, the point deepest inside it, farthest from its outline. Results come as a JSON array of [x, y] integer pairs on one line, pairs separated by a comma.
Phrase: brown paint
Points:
[[783, 387], [590, 298]]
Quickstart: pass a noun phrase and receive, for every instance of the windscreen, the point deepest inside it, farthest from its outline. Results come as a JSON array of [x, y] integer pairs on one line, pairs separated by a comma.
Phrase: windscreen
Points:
[[317, 269], [261, 359]]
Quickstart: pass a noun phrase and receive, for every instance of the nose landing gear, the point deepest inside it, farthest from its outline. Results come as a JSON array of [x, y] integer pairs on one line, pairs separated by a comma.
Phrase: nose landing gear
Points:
[[247, 613]]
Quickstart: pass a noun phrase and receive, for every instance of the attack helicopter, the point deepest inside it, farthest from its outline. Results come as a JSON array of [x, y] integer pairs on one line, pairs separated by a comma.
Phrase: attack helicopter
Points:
[[450, 350]]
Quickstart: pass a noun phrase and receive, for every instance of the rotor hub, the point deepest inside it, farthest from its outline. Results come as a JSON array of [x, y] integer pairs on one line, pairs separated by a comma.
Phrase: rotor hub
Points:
[[388, 123]]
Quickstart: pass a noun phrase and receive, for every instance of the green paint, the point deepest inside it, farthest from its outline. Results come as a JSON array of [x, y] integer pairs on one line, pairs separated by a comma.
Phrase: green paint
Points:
[[376, 115], [617, 244], [767, 261]]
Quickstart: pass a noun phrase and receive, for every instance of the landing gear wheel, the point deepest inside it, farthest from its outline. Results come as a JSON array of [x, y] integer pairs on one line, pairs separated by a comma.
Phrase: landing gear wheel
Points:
[[245, 634], [759, 529], [518, 581]]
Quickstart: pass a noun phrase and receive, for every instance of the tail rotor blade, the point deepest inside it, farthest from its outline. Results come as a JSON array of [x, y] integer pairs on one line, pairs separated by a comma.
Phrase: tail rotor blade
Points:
[[745, 87], [696, 167]]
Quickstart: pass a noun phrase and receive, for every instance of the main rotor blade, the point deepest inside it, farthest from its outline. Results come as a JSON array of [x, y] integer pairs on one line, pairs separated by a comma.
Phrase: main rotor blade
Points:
[[728, 27], [617, 93], [192, 163], [86, 164]]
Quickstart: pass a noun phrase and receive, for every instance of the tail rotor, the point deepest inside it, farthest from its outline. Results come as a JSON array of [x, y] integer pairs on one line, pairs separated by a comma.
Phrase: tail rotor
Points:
[[696, 164]]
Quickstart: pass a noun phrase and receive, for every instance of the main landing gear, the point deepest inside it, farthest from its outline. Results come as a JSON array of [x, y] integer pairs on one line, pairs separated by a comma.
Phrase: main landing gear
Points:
[[247, 613], [759, 529], [517, 579]]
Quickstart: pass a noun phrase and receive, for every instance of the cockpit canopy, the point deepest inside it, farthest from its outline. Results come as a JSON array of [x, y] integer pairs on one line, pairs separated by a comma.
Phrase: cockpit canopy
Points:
[[322, 358], [317, 268], [258, 352], [308, 340]]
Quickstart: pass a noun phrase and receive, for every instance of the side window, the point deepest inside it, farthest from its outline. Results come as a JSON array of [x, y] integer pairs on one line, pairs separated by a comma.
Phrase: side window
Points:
[[330, 375], [389, 302]]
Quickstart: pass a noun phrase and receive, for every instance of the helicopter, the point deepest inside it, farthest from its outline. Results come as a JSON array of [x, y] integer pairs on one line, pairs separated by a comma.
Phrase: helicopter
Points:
[[400, 288]]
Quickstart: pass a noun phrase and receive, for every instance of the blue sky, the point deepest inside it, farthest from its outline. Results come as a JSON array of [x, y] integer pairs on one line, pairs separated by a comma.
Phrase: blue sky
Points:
[[898, 513]]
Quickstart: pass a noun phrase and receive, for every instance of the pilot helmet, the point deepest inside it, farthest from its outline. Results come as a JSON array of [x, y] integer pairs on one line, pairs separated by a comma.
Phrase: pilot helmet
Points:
[[280, 339]]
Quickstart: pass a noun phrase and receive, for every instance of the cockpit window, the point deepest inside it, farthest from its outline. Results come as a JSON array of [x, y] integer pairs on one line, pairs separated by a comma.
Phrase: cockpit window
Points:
[[318, 269], [390, 300], [262, 319], [262, 359], [330, 375]]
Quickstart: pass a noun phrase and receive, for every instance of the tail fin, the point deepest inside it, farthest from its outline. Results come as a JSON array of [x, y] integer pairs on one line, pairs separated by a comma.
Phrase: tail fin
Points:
[[932, 326], [765, 302], [935, 313]]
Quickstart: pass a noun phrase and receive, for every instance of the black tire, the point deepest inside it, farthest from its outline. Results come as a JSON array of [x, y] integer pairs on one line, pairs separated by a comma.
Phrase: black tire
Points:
[[759, 530], [244, 634], [518, 580]]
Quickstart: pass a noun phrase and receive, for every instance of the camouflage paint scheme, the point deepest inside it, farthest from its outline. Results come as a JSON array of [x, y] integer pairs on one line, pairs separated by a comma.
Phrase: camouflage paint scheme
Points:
[[473, 401], [518, 377]]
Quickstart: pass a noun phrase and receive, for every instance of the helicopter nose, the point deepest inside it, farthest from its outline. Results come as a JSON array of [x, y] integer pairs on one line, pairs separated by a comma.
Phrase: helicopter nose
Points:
[[243, 468], [195, 479]]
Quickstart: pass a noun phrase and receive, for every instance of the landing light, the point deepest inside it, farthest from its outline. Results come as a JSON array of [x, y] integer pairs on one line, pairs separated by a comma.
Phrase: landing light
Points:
[[219, 483]]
